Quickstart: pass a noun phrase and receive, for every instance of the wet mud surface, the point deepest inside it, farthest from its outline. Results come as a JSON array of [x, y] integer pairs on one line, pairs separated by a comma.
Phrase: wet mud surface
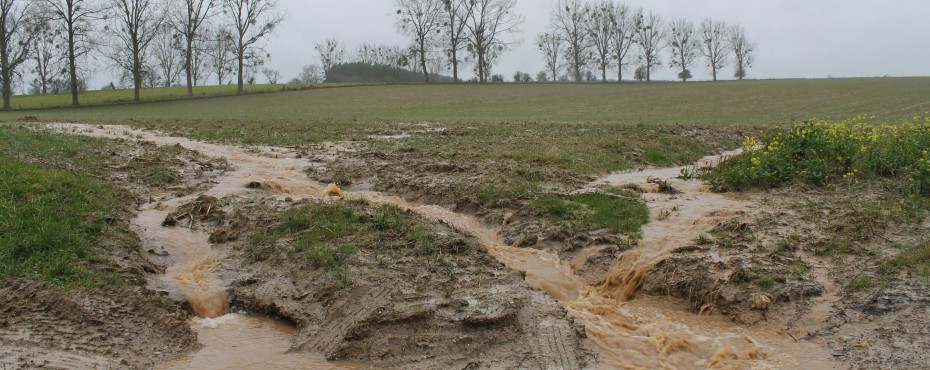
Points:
[[710, 282]]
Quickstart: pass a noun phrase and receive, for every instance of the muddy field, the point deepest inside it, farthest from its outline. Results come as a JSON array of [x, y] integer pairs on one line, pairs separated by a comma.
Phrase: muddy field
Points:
[[414, 267]]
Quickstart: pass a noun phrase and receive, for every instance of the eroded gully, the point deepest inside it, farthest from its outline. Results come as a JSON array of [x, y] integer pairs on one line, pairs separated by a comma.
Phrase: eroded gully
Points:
[[646, 332]]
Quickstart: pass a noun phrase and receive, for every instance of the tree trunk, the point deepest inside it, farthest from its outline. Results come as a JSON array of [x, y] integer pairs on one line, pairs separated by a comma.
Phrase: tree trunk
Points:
[[188, 66], [240, 57], [72, 67], [603, 73], [136, 73], [481, 75], [423, 59], [619, 72], [5, 66], [713, 72], [455, 65]]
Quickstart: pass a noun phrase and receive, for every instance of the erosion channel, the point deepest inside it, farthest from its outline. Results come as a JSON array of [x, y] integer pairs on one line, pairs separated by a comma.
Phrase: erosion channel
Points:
[[622, 330]]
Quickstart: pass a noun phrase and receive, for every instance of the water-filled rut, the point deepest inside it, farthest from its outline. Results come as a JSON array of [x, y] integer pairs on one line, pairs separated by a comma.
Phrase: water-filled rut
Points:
[[624, 332]]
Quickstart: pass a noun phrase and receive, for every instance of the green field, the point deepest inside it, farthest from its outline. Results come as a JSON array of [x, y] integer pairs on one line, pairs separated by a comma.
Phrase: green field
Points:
[[124, 96], [745, 102]]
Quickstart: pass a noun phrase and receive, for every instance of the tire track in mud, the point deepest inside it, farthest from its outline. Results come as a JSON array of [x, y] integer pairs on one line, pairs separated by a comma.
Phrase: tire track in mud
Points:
[[327, 337], [554, 345], [624, 334]]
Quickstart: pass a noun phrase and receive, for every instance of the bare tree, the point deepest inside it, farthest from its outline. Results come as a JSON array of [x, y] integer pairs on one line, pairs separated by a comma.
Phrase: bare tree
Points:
[[271, 75], [624, 31], [489, 23], [743, 50], [714, 45], [252, 21], [550, 44], [168, 57], [570, 18], [683, 40], [75, 17], [47, 58], [18, 27], [310, 74], [331, 53], [135, 24], [188, 19], [649, 37], [454, 14], [601, 31], [219, 50], [421, 21]]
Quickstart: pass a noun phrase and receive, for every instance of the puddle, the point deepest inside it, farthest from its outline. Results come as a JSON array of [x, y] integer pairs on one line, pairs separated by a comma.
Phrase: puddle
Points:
[[639, 333], [245, 342]]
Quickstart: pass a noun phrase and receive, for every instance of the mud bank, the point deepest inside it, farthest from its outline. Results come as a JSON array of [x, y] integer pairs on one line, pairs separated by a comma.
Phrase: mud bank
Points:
[[384, 321]]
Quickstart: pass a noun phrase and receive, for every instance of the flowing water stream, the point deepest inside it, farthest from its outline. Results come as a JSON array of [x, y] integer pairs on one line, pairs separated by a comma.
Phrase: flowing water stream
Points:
[[645, 332]]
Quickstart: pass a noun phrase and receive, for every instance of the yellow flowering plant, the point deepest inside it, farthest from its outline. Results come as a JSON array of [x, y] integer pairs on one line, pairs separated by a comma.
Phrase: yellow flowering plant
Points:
[[820, 152]]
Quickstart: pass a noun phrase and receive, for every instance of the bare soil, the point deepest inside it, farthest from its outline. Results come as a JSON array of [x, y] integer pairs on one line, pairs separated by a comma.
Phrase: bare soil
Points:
[[398, 308], [122, 325], [787, 266]]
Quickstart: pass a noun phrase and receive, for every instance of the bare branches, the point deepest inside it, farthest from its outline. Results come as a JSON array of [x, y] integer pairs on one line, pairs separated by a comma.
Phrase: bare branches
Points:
[[188, 20], [251, 21], [743, 50], [683, 41], [134, 25], [550, 44], [714, 38], [649, 36], [488, 26], [624, 31], [570, 18], [601, 31], [76, 18], [420, 20], [331, 53], [18, 28]]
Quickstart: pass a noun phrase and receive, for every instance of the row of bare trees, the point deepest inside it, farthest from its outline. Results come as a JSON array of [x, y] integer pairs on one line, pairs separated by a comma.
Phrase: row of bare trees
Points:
[[150, 41], [598, 35], [459, 31]]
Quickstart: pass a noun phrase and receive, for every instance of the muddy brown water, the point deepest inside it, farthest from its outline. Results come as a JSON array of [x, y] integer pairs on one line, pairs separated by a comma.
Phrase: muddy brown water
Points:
[[645, 332]]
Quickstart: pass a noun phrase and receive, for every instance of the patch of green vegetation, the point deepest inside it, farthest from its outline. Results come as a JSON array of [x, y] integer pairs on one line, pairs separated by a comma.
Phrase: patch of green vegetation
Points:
[[657, 158], [819, 153], [152, 166], [596, 210], [861, 282], [765, 282], [328, 235], [915, 258], [50, 221]]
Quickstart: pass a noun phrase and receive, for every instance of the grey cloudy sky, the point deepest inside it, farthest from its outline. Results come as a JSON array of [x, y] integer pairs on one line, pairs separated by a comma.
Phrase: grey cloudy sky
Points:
[[795, 38]]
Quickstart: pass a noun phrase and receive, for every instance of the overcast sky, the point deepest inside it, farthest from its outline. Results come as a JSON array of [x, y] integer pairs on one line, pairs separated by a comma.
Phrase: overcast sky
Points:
[[794, 38]]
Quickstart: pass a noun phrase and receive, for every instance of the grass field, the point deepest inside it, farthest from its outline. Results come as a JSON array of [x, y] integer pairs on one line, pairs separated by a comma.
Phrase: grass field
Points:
[[744, 102], [111, 97]]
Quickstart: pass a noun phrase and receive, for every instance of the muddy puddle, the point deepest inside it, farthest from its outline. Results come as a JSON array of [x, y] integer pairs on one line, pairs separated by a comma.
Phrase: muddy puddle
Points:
[[624, 330]]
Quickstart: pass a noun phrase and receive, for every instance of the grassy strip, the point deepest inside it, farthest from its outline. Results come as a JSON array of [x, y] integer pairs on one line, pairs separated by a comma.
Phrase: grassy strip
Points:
[[596, 211], [819, 153], [321, 236], [49, 222], [154, 94], [704, 103]]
